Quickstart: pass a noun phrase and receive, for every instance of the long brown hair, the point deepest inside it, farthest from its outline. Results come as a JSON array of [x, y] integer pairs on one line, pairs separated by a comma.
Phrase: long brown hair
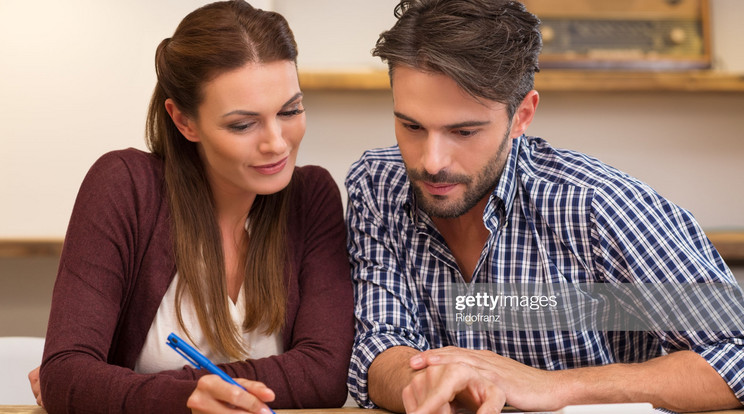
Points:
[[212, 40]]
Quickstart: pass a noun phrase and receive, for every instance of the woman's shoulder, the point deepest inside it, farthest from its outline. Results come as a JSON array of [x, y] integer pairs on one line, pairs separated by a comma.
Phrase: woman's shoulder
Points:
[[312, 178], [129, 165], [120, 175], [314, 186], [130, 158], [313, 172]]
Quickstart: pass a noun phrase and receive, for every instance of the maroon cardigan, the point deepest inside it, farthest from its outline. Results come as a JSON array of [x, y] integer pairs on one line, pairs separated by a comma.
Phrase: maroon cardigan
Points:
[[117, 263]]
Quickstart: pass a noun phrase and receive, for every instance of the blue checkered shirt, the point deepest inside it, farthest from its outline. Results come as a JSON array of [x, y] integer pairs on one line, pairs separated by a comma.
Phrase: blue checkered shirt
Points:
[[555, 215]]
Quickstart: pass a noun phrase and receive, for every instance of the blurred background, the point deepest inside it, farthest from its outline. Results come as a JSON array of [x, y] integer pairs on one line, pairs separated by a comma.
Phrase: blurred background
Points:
[[76, 77]]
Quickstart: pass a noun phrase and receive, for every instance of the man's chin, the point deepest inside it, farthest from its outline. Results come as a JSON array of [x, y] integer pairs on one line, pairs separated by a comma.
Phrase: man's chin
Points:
[[442, 207]]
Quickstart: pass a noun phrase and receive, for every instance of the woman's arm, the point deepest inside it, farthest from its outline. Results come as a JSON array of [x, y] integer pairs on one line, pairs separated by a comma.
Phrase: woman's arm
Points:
[[116, 207]]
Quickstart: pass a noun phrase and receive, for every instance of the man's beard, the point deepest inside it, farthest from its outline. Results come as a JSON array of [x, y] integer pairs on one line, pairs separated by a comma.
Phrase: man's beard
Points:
[[476, 188]]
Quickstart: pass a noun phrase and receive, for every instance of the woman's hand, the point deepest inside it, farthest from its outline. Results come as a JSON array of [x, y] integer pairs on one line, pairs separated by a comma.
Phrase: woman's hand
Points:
[[33, 378], [214, 395]]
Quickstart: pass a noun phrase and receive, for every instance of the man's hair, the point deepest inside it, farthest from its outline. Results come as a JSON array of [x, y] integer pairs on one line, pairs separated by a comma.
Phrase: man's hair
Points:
[[488, 47]]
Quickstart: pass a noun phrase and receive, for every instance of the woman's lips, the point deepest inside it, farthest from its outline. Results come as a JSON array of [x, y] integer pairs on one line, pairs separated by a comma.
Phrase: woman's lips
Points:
[[269, 169], [439, 188]]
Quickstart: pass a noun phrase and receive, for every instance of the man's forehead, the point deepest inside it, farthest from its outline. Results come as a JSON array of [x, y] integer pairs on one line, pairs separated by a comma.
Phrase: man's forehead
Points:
[[421, 87]]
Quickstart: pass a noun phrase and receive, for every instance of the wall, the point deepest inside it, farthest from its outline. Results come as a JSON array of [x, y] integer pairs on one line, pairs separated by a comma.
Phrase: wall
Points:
[[75, 79]]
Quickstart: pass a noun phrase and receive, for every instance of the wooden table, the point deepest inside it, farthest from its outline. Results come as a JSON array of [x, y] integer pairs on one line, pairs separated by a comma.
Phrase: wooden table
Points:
[[34, 409]]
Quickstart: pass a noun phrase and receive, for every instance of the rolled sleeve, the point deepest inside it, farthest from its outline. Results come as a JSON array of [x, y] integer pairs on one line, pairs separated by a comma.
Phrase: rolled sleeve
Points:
[[651, 240], [366, 348], [727, 358], [385, 308]]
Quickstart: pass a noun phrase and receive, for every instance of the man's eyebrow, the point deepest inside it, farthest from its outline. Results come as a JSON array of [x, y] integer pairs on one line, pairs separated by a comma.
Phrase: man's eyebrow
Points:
[[291, 100], [465, 124], [404, 117]]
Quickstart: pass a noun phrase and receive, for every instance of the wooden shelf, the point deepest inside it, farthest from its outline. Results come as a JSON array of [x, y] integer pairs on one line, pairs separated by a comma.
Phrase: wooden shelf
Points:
[[625, 81], [553, 80], [730, 244], [30, 247], [361, 80]]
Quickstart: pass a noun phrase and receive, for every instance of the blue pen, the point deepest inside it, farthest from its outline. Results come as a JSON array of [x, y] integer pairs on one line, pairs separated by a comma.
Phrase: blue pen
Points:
[[198, 360]]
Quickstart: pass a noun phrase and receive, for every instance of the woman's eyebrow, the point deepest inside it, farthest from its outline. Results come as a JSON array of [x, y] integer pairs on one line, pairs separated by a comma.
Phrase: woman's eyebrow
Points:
[[294, 97]]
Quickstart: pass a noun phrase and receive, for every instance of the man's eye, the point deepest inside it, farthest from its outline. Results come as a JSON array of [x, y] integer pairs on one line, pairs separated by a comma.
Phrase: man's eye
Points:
[[465, 133], [412, 127]]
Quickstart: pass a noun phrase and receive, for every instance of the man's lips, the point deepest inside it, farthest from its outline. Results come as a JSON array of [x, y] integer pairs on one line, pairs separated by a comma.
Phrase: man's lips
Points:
[[439, 188], [273, 168]]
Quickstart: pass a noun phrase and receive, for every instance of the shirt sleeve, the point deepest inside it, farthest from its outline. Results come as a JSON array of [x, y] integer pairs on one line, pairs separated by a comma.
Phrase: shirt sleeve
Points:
[[385, 309], [640, 236], [90, 295]]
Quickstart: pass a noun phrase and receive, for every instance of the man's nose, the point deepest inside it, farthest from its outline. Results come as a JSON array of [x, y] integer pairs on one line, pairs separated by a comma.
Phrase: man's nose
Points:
[[435, 157]]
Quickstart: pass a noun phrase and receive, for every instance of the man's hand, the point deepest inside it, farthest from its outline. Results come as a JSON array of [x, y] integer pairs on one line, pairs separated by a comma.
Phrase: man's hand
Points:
[[33, 378], [442, 388], [524, 387], [214, 395]]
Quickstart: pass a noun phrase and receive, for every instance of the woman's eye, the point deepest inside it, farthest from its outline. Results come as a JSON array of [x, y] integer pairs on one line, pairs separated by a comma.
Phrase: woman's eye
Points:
[[241, 126], [291, 113]]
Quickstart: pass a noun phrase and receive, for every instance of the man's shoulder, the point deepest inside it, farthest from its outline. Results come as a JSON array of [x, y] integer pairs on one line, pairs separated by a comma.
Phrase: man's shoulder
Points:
[[379, 177], [542, 162], [380, 165], [552, 172], [377, 157]]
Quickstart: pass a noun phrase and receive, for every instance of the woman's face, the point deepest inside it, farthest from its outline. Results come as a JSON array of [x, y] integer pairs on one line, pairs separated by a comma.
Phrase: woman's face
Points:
[[249, 129]]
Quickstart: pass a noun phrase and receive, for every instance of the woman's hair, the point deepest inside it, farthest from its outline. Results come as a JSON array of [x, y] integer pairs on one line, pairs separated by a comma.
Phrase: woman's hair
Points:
[[488, 47], [210, 41]]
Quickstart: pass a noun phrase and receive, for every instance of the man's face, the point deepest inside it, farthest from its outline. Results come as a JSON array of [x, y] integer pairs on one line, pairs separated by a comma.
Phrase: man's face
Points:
[[453, 145]]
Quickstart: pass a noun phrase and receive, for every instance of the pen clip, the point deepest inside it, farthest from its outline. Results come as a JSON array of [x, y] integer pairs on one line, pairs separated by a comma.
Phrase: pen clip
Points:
[[173, 344]]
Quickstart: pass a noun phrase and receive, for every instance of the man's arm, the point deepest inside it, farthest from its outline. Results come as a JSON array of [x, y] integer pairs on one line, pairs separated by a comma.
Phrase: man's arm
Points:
[[396, 386], [389, 373], [681, 381], [386, 310]]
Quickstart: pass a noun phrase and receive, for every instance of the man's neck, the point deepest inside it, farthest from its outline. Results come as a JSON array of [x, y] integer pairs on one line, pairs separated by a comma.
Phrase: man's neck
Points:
[[465, 235]]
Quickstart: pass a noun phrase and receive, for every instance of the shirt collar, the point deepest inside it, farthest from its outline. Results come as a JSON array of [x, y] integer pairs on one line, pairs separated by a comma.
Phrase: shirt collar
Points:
[[502, 198]]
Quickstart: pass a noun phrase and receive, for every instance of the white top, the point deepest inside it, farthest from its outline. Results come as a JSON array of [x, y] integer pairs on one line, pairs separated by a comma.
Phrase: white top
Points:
[[157, 356]]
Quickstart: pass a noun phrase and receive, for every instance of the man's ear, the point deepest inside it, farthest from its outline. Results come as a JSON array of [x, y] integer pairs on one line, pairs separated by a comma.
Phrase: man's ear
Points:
[[183, 122], [524, 114]]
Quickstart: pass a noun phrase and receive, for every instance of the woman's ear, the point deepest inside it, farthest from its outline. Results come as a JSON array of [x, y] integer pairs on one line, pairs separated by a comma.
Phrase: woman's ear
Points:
[[524, 114], [182, 121]]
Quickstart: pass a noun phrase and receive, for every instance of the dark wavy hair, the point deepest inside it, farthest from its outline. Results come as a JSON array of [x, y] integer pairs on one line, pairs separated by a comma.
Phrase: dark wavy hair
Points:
[[489, 48]]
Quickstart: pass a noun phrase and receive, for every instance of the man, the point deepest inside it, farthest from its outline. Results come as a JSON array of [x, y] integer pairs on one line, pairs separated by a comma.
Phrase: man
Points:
[[467, 198]]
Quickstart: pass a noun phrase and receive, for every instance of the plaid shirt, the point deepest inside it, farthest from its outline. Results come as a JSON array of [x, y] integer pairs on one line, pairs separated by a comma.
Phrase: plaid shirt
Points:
[[555, 215]]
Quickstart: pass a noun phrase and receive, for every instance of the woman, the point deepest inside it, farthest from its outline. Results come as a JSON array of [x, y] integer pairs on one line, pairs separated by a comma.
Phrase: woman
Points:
[[214, 235]]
